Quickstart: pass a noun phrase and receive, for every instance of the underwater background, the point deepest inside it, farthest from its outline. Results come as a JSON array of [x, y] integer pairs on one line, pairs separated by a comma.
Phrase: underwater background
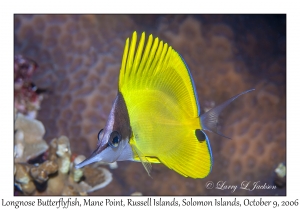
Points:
[[79, 58]]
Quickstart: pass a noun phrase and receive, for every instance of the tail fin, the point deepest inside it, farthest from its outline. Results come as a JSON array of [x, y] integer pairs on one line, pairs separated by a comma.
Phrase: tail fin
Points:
[[209, 120]]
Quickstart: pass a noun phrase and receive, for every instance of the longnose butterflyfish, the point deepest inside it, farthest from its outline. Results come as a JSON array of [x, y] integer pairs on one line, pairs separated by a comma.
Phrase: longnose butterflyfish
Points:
[[155, 117]]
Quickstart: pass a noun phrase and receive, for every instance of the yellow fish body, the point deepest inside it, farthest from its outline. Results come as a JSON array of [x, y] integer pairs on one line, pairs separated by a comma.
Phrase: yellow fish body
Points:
[[156, 115]]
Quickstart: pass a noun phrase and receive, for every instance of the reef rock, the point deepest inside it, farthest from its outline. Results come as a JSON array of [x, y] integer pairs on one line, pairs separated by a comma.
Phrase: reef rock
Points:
[[29, 141]]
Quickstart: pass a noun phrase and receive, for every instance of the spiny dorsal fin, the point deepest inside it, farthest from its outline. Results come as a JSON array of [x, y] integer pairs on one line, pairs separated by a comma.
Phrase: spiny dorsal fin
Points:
[[158, 67], [142, 63]]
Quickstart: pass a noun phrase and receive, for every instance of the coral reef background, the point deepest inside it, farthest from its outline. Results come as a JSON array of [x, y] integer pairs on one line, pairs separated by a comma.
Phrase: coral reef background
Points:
[[79, 57]]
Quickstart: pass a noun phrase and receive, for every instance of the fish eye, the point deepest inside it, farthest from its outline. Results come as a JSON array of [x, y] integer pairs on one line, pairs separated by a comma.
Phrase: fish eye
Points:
[[100, 134], [114, 139]]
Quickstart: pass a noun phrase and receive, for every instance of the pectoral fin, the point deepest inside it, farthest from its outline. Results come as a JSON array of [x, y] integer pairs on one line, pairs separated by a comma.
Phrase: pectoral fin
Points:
[[143, 159]]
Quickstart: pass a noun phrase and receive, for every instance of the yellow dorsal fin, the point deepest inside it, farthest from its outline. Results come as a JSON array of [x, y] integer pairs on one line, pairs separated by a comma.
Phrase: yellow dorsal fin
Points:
[[159, 68]]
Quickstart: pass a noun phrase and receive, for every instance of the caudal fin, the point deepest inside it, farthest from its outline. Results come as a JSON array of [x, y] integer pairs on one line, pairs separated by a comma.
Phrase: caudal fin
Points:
[[209, 120]]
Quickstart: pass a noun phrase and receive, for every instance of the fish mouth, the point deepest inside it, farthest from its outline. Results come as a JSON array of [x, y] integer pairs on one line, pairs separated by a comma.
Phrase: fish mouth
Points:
[[92, 159], [95, 157]]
